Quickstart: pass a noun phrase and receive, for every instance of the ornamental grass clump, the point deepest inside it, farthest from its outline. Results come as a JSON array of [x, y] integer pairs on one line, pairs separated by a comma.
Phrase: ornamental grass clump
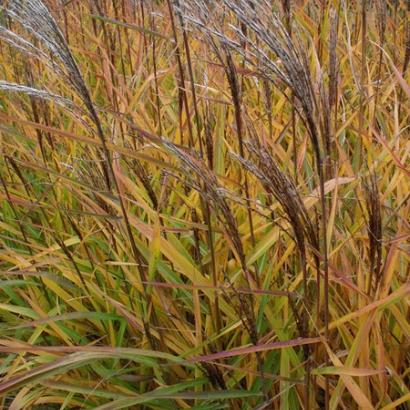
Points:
[[204, 204]]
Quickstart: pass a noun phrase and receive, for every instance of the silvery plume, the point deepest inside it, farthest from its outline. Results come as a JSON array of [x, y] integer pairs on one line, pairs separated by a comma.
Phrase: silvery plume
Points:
[[37, 20]]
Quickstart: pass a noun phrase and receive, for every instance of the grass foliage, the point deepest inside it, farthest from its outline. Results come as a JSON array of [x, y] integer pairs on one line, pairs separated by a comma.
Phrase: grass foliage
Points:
[[204, 204]]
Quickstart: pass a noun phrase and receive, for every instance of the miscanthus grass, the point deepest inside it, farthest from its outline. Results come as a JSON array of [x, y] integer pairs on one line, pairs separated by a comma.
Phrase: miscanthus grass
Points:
[[204, 204]]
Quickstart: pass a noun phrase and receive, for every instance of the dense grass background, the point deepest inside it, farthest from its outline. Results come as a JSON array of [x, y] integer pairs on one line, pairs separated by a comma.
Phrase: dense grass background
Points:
[[204, 204]]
